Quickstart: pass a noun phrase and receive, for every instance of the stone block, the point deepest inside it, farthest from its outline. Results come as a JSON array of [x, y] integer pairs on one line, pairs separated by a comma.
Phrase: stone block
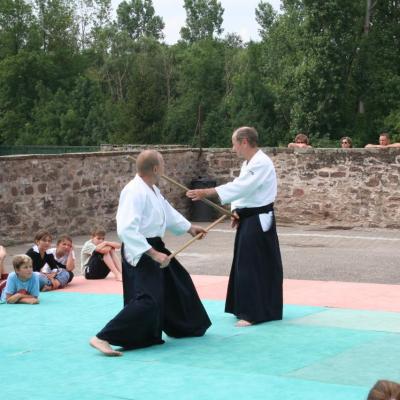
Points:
[[338, 174], [42, 188]]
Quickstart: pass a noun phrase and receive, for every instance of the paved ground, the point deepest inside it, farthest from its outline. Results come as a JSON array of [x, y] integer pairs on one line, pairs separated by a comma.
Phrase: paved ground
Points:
[[339, 320], [309, 253]]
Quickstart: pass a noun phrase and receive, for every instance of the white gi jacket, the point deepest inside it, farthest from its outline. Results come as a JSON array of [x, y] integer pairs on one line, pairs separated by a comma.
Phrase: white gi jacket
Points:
[[144, 213], [256, 186]]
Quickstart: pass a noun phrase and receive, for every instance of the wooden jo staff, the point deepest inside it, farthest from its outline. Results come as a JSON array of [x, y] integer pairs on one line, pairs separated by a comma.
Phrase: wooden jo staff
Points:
[[206, 201], [197, 237], [225, 213]]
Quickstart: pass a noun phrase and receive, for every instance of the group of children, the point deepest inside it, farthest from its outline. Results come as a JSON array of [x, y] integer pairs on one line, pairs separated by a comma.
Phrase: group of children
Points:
[[44, 268]]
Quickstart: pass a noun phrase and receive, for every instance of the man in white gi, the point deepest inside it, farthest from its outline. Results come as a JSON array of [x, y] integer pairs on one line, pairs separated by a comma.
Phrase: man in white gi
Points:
[[155, 299], [256, 278]]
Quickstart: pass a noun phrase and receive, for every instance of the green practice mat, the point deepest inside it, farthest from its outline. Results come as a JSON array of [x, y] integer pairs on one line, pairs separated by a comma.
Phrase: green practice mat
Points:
[[314, 353]]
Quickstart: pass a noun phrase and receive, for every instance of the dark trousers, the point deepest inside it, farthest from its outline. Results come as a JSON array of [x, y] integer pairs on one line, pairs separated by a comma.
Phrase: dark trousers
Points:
[[256, 278], [96, 268], [155, 300]]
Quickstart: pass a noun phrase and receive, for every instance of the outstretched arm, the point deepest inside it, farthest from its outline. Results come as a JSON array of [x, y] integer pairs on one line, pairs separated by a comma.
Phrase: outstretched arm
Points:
[[198, 194]]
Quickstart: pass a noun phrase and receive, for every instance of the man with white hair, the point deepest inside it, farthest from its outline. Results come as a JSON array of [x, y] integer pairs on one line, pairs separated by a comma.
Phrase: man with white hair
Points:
[[255, 282], [159, 294]]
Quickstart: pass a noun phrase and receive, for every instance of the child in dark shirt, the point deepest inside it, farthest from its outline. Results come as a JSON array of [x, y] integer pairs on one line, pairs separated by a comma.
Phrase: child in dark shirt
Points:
[[51, 275], [64, 254]]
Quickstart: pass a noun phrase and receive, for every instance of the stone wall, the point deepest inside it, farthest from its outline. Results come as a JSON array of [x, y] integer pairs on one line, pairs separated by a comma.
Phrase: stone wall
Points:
[[73, 192], [328, 187]]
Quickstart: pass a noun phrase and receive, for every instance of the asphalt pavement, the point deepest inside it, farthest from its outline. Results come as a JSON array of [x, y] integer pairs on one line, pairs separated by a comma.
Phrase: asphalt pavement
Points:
[[308, 253]]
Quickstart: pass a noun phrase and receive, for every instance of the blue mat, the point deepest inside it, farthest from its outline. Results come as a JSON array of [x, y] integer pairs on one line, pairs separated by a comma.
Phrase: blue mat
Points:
[[44, 354]]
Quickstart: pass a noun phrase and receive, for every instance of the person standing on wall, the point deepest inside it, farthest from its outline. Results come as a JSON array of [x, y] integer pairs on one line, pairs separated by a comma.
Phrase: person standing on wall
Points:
[[255, 291]]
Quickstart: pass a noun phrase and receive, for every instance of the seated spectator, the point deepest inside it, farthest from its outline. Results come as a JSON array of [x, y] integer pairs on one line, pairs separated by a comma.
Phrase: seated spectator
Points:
[[51, 275], [23, 284], [3, 275], [3, 255], [385, 390], [301, 140], [346, 143], [384, 141], [98, 257], [64, 254]]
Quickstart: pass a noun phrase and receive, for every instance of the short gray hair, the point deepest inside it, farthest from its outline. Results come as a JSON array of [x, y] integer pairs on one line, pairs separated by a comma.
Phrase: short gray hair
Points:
[[147, 160], [247, 132]]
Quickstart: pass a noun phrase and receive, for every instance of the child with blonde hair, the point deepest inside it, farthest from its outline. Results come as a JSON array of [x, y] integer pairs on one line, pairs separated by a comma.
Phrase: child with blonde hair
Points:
[[23, 284]]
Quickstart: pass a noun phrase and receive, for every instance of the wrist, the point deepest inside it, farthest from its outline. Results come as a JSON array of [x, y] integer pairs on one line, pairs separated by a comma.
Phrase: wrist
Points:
[[151, 252]]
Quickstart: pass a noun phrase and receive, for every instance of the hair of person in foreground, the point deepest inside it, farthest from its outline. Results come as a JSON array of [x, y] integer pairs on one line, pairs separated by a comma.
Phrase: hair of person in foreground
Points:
[[384, 390]]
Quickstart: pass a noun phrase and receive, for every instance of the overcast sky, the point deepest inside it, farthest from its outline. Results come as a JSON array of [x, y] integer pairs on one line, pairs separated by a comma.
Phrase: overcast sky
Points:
[[239, 17]]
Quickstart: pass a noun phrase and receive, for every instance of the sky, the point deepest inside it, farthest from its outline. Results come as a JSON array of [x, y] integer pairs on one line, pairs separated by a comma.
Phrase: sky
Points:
[[239, 17]]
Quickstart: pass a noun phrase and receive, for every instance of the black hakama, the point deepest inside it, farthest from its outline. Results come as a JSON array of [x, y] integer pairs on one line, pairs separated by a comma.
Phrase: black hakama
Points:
[[256, 278], [156, 300]]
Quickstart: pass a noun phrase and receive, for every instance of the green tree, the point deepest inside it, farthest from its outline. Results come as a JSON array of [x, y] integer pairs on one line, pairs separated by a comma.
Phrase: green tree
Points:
[[199, 91], [137, 17], [20, 77], [377, 72], [144, 101], [309, 59], [79, 117], [265, 17], [248, 101], [17, 27], [90, 16], [203, 20], [58, 28]]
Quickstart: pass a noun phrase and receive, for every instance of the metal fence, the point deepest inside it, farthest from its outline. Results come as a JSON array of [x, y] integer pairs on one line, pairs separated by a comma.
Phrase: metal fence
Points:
[[19, 150]]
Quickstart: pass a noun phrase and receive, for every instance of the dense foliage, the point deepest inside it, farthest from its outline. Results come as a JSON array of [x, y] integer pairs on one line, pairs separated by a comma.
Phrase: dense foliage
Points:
[[71, 75]]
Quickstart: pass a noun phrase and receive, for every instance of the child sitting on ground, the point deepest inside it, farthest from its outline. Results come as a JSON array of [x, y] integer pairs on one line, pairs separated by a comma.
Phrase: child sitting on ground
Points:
[[23, 284], [3, 275], [64, 254], [3, 254], [51, 276], [98, 257]]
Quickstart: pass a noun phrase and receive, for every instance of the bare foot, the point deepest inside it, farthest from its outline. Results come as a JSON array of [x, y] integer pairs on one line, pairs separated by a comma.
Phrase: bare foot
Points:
[[242, 323], [104, 347]]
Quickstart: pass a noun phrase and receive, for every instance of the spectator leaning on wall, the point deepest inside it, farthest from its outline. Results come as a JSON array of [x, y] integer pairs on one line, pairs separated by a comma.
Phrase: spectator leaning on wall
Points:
[[301, 140], [384, 141]]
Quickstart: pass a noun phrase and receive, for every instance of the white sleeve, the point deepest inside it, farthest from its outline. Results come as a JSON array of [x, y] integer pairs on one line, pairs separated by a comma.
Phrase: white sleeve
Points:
[[176, 222], [88, 248], [130, 210], [244, 184]]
